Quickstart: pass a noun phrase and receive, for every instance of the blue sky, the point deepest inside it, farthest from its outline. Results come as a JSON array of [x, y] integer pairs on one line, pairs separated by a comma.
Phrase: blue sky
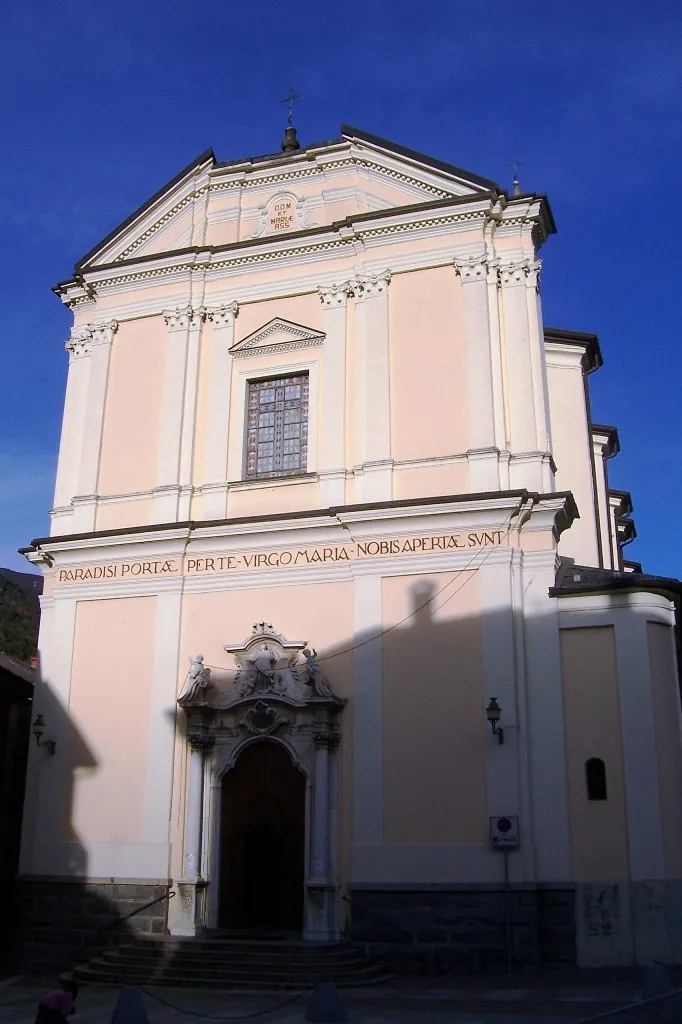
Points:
[[102, 102]]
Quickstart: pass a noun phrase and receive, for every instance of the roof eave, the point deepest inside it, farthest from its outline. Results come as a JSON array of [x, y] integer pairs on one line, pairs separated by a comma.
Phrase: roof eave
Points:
[[351, 134], [208, 156]]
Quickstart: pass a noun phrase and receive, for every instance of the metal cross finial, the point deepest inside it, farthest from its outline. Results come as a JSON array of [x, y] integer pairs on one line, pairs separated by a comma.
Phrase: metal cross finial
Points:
[[291, 98], [515, 164]]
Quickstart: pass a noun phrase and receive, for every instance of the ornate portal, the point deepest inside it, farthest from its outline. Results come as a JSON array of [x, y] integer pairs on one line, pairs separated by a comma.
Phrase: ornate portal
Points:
[[277, 693]]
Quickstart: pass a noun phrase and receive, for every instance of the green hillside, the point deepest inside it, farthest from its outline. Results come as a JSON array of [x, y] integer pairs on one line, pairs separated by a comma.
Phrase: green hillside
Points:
[[19, 613]]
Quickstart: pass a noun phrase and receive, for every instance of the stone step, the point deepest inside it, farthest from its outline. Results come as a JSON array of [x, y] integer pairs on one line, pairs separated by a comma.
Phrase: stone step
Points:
[[228, 955], [253, 970], [230, 964], [234, 980], [225, 945], [118, 956]]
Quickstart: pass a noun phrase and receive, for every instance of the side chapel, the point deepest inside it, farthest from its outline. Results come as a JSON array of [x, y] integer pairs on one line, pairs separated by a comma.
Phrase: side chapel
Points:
[[336, 599]]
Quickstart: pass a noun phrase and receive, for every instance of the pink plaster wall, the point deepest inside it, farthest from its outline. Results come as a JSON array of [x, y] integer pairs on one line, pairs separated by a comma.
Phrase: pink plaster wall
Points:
[[428, 365], [599, 834], [133, 407], [109, 712], [124, 513], [434, 755]]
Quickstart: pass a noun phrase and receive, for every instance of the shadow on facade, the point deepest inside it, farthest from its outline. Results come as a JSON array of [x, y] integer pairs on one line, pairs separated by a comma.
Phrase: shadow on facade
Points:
[[436, 747], [66, 916]]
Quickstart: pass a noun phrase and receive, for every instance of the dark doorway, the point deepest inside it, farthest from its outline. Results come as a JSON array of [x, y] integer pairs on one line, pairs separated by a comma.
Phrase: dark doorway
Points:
[[262, 842]]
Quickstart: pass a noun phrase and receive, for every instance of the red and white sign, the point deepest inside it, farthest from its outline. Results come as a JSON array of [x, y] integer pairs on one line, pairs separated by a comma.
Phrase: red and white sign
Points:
[[504, 831]]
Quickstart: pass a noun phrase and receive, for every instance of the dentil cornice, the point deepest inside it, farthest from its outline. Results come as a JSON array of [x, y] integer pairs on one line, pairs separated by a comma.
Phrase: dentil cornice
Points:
[[223, 315]]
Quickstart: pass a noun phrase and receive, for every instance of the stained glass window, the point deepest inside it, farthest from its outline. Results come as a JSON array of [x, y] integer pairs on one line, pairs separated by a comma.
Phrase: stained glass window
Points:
[[277, 427]]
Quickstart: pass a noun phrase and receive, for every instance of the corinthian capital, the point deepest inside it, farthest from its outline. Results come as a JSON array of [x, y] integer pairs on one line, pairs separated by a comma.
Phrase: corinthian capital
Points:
[[366, 286], [79, 343], [472, 268], [103, 334], [223, 315], [335, 294], [182, 318], [520, 271]]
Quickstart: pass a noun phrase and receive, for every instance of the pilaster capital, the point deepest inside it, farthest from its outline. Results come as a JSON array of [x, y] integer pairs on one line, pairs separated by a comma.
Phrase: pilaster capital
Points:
[[183, 318], [472, 268], [200, 740], [520, 271], [335, 295], [367, 286], [103, 334], [223, 315], [326, 740], [79, 343], [82, 339]]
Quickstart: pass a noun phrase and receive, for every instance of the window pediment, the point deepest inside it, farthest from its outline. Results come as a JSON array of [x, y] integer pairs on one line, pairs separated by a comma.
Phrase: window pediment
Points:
[[277, 335]]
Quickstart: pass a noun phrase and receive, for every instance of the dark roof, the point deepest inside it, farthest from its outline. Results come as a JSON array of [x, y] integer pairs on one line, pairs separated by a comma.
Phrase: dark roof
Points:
[[588, 342], [612, 446], [17, 668], [411, 154], [203, 158], [579, 579]]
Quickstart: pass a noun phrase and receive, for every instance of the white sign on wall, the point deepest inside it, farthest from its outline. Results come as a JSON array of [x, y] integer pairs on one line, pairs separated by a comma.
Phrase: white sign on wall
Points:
[[504, 831]]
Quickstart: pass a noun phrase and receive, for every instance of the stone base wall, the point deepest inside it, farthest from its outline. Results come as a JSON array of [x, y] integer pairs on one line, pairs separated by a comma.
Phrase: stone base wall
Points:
[[438, 930], [65, 921], [623, 923]]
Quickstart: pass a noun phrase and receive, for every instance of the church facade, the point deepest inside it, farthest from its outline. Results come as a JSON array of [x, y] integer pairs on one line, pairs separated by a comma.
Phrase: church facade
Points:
[[338, 637]]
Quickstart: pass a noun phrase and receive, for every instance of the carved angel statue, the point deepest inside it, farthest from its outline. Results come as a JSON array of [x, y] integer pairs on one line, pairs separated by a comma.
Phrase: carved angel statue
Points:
[[313, 674], [198, 679]]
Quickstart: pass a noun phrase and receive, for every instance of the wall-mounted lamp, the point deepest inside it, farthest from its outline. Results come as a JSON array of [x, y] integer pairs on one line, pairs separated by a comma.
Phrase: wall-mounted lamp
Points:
[[38, 730], [492, 713]]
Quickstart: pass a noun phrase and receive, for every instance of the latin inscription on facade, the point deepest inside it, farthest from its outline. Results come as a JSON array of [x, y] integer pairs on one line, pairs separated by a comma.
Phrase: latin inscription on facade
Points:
[[282, 558], [281, 215]]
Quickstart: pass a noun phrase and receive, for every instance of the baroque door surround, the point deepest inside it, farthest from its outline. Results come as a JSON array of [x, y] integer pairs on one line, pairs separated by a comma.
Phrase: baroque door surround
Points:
[[275, 699]]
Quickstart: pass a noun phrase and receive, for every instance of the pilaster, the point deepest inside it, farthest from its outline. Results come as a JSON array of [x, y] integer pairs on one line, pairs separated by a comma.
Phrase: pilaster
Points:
[[500, 681], [332, 463], [101, 337], [482, 453], [222, 319], [187, 916], [177, 412], [528, 442], [373, 410], [78, 346], [367, 720], [161, 738], [545, 717]]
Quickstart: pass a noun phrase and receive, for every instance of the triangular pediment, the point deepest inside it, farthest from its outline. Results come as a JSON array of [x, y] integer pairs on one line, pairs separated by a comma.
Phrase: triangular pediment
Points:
[[213, 205], [277, 335]]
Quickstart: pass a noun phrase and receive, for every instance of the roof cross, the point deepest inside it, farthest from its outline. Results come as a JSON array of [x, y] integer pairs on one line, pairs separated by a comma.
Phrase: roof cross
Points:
[[291, 98]]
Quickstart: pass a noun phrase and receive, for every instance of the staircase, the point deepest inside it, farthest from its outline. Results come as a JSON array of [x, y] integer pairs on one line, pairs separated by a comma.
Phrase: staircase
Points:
[[226, 963]]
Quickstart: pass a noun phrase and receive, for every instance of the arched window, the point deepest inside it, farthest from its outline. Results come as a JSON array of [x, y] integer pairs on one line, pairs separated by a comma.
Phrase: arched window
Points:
[[595, 778]]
